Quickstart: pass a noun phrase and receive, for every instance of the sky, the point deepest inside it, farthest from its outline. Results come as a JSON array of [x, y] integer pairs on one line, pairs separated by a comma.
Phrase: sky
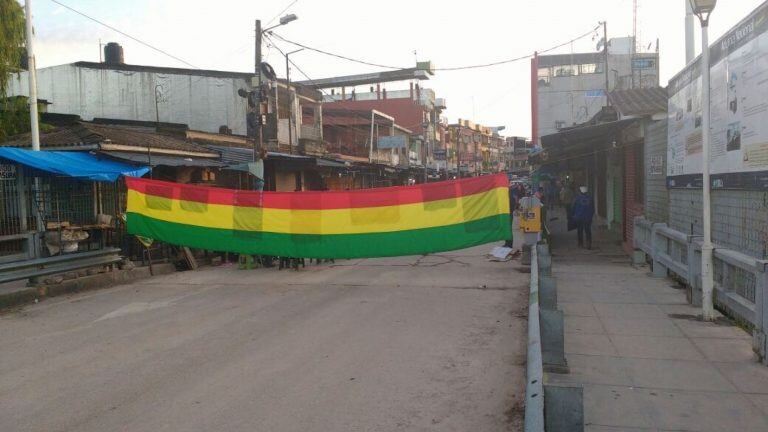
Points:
[[220, 35]]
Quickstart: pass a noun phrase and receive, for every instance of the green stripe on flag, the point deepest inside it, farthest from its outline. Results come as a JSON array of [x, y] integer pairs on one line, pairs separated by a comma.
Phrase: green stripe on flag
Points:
[[397, 243]]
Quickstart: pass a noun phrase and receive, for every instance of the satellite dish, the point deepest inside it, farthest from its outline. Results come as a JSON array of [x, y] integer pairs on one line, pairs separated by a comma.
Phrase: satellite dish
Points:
[[600, 44], [268, 71]]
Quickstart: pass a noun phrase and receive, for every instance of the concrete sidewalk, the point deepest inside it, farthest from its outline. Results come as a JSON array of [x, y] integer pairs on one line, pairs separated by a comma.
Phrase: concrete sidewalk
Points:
[[645, 361]]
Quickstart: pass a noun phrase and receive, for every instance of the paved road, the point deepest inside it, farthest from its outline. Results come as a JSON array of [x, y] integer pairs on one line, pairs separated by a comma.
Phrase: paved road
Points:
[[420, 343]]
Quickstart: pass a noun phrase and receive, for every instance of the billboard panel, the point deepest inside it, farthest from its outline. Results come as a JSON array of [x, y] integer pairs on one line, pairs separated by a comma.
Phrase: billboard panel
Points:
[[738, 106]]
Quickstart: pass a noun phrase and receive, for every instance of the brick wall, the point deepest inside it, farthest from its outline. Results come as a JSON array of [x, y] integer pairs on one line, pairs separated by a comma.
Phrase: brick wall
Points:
[[739, 218], [633, 199], [656, 203]]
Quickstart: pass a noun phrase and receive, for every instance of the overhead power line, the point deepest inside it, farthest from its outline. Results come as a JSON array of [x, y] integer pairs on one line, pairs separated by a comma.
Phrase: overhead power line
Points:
[[475, 66], [351, 113], [146, 44], [318, 50]]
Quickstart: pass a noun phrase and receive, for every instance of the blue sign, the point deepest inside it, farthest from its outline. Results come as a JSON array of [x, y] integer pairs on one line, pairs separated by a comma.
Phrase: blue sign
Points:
[[392, 142]]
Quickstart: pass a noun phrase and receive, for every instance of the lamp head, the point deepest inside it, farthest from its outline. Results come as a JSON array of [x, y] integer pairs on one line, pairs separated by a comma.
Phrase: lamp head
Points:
[[703, 8], [288, 18]]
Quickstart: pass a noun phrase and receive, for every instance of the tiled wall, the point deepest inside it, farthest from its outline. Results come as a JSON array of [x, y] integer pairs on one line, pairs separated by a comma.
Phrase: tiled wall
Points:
[[739, 218], [656, 193]]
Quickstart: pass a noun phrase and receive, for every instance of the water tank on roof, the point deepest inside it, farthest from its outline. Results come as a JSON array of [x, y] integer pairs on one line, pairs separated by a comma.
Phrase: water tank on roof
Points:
[[113, 53]]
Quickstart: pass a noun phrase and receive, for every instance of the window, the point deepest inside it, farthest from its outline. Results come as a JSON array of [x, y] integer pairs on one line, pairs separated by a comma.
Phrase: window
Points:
[[643, 63], [545, 75], [559, 124], [591, 68], [566, 70]]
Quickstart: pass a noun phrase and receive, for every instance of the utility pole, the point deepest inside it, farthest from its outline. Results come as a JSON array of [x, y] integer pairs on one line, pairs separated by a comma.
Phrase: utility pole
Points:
[[458, 151], [425, 148], [605, 59], [32, 67], [257, 142], [370, 149], [290, 104]]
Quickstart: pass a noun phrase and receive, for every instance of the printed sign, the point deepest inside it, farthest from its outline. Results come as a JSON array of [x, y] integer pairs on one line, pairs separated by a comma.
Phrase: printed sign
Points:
[[656, 165], [594, 93], [7, 172], [738, 126]]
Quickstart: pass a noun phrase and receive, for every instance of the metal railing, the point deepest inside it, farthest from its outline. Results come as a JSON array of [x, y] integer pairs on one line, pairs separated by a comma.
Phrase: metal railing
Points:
[[740, 280], [534, 388]]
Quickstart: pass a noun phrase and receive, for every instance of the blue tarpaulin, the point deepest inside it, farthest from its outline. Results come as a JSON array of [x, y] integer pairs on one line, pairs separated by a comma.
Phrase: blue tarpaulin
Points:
[[80, 165]]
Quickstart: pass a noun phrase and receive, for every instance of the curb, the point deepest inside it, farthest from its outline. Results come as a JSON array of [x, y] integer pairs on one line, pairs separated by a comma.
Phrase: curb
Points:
[[86, 283]]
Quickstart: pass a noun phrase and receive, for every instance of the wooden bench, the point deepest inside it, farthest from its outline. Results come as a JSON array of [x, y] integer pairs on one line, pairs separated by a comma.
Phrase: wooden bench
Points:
[[57, 264]]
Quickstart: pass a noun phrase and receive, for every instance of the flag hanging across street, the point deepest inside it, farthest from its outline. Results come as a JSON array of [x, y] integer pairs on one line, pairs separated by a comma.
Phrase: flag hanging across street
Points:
[[392, 221]]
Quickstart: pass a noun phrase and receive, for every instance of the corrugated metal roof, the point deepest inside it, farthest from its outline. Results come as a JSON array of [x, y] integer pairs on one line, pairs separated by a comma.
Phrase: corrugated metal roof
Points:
[[584, 135], [163, 160], [238, 155], [640, 102], [233, 155], [86, 133]]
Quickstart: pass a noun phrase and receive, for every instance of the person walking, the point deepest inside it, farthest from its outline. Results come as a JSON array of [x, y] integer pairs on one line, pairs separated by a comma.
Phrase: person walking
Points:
[[583, 209]]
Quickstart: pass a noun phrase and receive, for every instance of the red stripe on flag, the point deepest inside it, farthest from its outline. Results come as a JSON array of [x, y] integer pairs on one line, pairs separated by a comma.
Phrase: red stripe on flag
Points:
[[321, 200]]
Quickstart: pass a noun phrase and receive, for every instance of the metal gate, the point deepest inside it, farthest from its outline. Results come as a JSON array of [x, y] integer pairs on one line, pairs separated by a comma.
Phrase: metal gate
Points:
[[15, 237]]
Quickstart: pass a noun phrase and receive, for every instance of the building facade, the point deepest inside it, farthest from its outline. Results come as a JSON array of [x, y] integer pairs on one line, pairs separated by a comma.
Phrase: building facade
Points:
[[569, 89]]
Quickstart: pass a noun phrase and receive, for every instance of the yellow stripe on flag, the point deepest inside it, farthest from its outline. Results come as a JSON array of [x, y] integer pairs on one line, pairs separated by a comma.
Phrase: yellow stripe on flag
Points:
[[334, 221]]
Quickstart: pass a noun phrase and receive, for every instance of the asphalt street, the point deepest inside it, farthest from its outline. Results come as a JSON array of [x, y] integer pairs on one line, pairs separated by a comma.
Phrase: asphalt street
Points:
[[417, 343]]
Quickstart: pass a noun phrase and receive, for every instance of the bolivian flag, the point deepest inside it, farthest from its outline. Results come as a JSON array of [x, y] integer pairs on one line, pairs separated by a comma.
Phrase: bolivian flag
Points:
[[393, 221]]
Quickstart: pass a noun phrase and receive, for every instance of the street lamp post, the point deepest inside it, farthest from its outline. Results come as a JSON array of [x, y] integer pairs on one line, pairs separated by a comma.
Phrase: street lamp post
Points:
[[703, 9]]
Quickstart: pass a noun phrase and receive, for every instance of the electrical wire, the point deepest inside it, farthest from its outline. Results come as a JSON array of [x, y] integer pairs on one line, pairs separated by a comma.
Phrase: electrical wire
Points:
[[456, 68], [146, 44], [352, 113]]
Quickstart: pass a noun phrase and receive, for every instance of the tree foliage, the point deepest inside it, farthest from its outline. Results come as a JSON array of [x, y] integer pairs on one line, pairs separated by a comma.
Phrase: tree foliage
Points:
[[14, 115], [11, 41]]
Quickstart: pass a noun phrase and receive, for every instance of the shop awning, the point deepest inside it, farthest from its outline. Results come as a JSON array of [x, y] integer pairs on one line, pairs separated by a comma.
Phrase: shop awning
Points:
[[80, 165], [585, 135]]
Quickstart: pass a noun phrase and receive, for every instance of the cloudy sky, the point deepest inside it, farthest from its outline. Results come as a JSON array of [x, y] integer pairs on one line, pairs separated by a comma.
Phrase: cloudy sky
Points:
[[220, 35]]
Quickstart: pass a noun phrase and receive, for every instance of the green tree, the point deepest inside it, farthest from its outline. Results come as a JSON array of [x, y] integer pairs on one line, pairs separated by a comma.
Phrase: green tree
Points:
[[12, 41]]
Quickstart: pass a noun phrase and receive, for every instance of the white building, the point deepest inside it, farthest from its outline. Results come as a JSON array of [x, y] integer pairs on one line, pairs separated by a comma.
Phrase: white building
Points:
[[204, 100], [570, 89]]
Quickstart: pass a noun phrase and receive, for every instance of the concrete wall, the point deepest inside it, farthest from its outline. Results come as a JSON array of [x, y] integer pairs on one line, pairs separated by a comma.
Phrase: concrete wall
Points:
[[656, 193], [203, 103], [739, 218]]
